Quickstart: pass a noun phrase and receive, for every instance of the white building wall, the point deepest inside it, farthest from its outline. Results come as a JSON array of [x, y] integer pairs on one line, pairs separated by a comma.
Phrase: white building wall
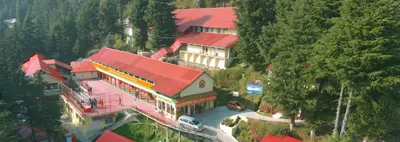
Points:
[[194, 88]]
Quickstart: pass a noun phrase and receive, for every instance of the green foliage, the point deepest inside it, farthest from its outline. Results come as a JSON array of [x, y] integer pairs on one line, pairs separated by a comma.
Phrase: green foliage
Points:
[[279, 130], [139, 23], [8, 126], [252, 15], [228, 78], [185, 4], [228, 122], [159, 16]]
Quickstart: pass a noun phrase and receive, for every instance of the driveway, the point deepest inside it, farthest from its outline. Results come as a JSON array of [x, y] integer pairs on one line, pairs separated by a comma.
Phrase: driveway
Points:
[[211, 119]]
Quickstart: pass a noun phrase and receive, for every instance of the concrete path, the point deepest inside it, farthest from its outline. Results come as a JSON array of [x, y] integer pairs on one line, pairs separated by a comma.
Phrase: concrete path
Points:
[[211, 119]]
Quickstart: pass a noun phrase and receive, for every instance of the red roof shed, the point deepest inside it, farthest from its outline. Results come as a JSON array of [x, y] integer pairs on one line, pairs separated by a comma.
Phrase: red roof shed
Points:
[[268, 138], [109, 136], [82, 66], [35, 64]]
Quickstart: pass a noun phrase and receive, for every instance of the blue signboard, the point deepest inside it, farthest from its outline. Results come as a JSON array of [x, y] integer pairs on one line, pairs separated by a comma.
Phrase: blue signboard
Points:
[[254, 87]]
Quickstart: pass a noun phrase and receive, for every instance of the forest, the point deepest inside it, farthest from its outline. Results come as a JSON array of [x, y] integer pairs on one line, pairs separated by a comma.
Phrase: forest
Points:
[[335, 60]]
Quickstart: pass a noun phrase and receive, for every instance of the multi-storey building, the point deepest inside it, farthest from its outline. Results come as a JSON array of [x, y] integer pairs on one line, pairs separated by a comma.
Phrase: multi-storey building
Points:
[[206, 38], [52, 78]]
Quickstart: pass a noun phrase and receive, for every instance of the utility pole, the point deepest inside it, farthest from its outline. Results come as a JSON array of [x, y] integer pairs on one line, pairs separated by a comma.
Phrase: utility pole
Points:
[[166, 136]]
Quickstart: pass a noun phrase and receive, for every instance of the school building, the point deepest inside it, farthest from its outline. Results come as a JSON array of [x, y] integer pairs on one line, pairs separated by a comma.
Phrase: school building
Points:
[[174, 90]]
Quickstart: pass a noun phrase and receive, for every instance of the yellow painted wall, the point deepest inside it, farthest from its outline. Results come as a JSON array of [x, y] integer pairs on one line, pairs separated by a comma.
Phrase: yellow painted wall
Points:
[[86, 75], [194, 87]]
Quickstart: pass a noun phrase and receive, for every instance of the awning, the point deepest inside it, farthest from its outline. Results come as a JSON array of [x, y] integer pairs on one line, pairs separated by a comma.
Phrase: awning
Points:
[[195, 99]]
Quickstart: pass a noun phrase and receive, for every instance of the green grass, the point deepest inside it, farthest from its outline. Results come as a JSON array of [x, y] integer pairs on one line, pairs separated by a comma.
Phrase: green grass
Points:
[[146, 131]]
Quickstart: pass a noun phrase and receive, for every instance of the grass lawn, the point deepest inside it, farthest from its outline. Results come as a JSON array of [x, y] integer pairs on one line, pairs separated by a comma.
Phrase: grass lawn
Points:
[[257, 129], [146, 131]]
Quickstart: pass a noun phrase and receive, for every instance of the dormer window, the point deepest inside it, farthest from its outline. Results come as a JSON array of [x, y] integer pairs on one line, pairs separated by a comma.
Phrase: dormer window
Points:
[[219, 30]]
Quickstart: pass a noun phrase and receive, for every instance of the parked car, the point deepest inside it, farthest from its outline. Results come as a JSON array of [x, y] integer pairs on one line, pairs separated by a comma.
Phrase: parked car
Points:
[[190, 123], [234, 105]]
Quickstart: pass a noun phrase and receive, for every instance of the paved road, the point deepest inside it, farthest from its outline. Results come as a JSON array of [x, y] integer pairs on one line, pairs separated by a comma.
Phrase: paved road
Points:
[[211, 119]]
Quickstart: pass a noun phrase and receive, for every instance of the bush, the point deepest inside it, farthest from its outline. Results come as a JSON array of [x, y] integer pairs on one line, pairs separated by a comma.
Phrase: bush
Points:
[[228, 122], [279, 130], [228, 78], [119, 117]]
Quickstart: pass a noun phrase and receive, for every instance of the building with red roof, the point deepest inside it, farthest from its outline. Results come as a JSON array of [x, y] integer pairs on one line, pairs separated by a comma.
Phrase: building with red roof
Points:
[[109, 136], [206, 38], [173, 89], [84, 70], [51, 76], [268, 138]]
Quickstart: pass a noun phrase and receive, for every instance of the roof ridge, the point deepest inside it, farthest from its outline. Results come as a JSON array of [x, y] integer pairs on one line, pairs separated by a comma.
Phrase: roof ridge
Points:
[[154, 59], [207, 8]]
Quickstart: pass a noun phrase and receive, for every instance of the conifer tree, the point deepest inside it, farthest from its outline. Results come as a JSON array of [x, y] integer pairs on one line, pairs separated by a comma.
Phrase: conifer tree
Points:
[[252, 15], [362, 49], [161, 20], [139, 24]]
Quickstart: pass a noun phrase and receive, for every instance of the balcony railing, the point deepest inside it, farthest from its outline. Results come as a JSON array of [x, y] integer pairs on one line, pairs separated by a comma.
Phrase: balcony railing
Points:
[[205, 54], [52, 92]]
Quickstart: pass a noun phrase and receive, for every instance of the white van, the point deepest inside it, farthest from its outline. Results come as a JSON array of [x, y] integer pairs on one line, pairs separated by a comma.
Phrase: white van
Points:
[[190, 123]]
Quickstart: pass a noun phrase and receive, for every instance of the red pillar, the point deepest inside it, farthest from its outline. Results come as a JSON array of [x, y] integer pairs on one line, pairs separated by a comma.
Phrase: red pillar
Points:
[[129, 89], [147, 96], [140, 93]]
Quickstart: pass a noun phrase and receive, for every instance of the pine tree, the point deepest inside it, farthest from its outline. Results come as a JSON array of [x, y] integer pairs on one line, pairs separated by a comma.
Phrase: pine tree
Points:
[[108, 18], [139, 24], [362, 49], [252, 15], [159, 16], [201, 3], [8, 126]]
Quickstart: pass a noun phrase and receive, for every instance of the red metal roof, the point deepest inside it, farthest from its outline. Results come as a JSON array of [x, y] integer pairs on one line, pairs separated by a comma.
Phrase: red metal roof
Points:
[[222, 17], [268, 138], [169, 79], [56, 62], [109, 136], [82, 66], [201, 38], [209, 39], [35, 63]]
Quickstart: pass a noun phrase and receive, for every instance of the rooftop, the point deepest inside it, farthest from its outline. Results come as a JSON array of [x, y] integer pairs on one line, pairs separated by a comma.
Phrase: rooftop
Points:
[[222, 17], [169, 79], [56, 62], [36, 63], [209, 39], [82, 66], [109, 136]]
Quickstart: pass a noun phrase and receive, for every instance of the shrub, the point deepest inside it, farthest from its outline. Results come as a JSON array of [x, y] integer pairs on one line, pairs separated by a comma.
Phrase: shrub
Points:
[[279, 130], [228, 78], [119, 117], [228, 122]]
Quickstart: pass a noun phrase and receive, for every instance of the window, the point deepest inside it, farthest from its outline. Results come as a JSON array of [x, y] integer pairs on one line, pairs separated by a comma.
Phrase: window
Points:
[[205, 29], [109, 120], [195, 122], [219, 30], [211, 29], [199, 29]]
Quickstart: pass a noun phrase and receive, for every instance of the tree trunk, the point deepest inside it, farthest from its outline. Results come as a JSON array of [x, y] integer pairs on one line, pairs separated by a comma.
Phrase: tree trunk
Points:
[[335, 129], [292, 121], [346, 115]]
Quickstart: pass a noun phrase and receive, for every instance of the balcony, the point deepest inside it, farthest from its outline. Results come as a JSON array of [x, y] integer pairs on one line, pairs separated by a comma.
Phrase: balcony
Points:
[[204, 54], [52, 92]]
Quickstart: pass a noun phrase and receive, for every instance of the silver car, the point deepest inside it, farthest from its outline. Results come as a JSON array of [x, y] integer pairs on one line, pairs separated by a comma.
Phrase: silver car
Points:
[[190, 123]]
